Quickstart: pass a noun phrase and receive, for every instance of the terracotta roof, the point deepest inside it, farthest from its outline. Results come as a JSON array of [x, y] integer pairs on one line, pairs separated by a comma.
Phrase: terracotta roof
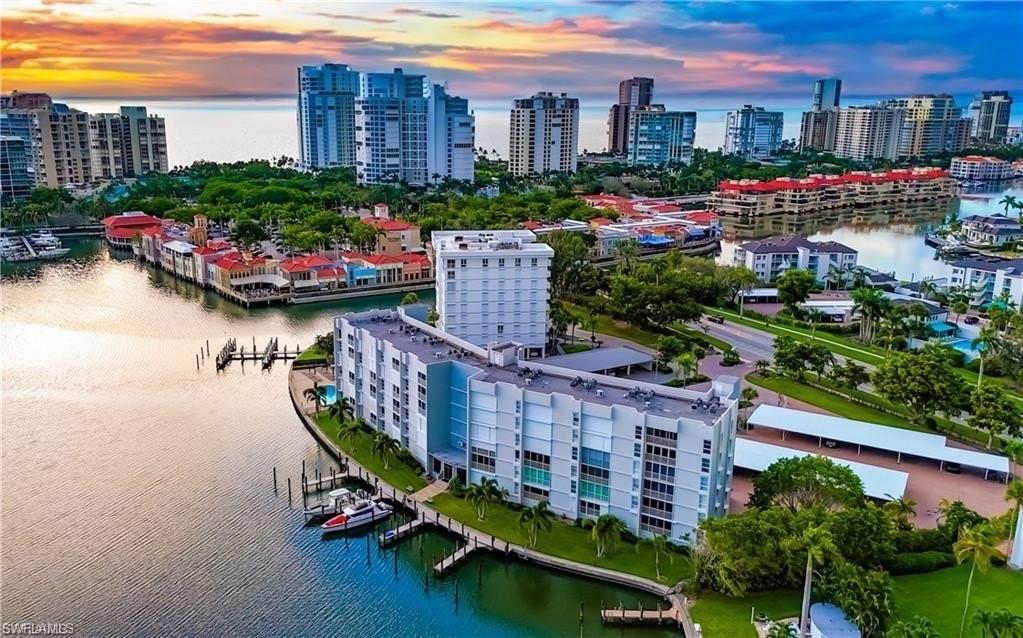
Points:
[[600, 221], [531, 225], [293, 266], [122, 233], [703, 216], [388, 225], [415, 258], [380, 260], [822, 181], [126, 221]]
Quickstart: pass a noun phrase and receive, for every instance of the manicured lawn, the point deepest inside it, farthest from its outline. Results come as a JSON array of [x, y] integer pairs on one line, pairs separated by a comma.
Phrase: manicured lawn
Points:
[[938, 595], [566, 541], [608, 326], [941, 595], [828, 401], [572, 348], [311, 354], [398, 474], [682, 328]]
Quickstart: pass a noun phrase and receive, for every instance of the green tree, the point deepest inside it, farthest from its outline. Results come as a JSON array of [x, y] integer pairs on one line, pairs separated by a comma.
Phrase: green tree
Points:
[[685, 365], [864, 595], [871, 304], [782, 630], [660, 546], [819, 547], [806, 482], [349, 432], [317, 394], [992, 410], [986, 343], [747, 397], [998, 624], [924, 383], [902, 512], [482, 494], [915, 627], [340, 409], [976, 545], [626, 250], [1009, 201], [385, 448], [607, 533], [819, 358], [735, 279], [794, 287], [791, 356], [410, 299], [536, 519]]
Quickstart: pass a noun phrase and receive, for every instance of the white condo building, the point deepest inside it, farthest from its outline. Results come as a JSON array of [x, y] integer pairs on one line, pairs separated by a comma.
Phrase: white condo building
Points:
[[390, 124], [451, 137], [770, 258], [493, 286], [326, 115], [868, 132], [989, 115], [658, 137], [753, 133], [987, 280], [544, 134], [659, 458]]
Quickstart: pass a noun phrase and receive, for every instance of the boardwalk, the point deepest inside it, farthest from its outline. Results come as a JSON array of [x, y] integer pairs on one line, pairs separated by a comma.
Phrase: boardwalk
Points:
[[474, 539]]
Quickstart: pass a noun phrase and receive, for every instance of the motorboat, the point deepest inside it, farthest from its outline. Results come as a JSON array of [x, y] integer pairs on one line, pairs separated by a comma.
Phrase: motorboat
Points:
[[334, 503], [44, 239], [359, 513]]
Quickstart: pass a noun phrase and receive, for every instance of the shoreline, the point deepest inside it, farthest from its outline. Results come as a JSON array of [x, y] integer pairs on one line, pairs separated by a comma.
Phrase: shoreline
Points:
[[679, 604]]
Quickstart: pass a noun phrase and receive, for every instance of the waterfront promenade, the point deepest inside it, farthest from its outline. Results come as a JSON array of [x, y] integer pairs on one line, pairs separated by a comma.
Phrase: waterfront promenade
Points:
[[475, 540]]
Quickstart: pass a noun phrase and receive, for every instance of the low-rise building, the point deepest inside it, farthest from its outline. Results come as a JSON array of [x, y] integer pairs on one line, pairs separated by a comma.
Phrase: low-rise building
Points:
[[992, 231], [986, 280], [395, 236], [770, 258], [242, 275], [830, 192], [659, 458], [121, 231], [980, 168]]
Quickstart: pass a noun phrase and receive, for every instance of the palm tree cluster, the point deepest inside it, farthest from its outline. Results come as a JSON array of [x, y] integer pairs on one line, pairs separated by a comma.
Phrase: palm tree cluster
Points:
[[484, 493]]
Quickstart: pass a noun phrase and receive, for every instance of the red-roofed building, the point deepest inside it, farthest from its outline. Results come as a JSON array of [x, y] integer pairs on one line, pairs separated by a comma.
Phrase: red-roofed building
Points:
[[619, 204], [121, 230], [395, 236], [829, 192], [416, 266], [250, 278]]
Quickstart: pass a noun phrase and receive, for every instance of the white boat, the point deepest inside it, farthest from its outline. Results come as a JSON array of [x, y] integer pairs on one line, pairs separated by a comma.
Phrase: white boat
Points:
[[44, 239], [359, 513], [334, 503]]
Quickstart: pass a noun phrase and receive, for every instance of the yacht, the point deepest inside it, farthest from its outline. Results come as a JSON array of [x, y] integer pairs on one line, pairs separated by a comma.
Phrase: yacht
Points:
[[335, 503], [359, 513], [44, 239]]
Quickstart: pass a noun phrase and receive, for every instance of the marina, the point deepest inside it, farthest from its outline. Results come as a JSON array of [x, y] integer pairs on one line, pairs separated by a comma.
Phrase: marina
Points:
[[38, 246]]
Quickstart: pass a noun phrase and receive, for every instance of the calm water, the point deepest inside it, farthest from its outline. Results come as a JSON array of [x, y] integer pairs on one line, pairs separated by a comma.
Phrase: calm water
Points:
[[137, 492]]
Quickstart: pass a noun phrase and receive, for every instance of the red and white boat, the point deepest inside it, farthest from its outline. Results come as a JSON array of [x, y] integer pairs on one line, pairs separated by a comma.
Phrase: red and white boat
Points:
[[357, 514]]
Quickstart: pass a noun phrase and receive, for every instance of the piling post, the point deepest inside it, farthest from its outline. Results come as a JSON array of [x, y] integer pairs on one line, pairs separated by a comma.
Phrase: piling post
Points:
[[303, 467], [332, 476], [289, 489], [196, 362], [479, 575], [207, 347], [456, 594], [275, 478], [580, 613], [202, 354], [426, 578], [395, 559]]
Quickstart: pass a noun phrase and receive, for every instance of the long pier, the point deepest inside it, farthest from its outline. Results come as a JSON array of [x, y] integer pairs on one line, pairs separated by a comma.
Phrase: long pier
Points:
[[270, 353], [474, 540]]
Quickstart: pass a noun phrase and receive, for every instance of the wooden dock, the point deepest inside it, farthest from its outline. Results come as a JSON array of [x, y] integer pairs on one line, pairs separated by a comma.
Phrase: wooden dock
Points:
[[325, 482], [452, 561], [271, 353], [658, 616], [398, 534]]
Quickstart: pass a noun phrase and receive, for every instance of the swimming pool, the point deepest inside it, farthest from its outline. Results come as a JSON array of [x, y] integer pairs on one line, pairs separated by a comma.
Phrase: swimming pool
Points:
[[966, 347], [331, 396]]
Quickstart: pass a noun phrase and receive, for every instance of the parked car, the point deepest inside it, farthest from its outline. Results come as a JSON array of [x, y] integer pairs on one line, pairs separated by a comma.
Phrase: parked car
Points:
[[953, 468], [715, 319], [971, 319]]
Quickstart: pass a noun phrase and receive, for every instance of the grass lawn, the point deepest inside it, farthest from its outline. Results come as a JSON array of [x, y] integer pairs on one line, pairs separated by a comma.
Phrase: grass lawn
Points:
[[310, 355], [572, 348], [692, 333], [938, 595], [566, 541], [398, 474], [608, 326], [941, 595]]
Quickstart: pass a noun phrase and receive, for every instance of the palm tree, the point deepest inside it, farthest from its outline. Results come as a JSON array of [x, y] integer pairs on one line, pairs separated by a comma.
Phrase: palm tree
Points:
[[998, 624], [782, 630], [859, 276], [339, 409], [762, 366], [976, 545], [1009, 201], [385, 448], [927, 288], [871, 304], [317, 394], [483, 493], [836, 275], [536, 519], [986, 341], [349, 432], [1014, 494], [748, 395], [659, 543], [814, 316], [901, 511], [607, 532], [917, 627], [819, 546], [627, 251], [686, 366]]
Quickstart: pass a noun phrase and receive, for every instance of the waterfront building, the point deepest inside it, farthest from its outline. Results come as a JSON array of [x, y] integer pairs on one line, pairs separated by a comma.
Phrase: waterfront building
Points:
[[121, 231], [395, 236], [988, 279], [659, 458], [326, 115], [24, 125], [493, 286], [753, 133], [391, 142], [980, 168], [989, 115], [15, 180], [658, 137], [632, 94], [991, 230], [130, 143], [868, 132], [451, 137], [818, 193], [64, 156], [770, 258], [246, 277], [827, 94], [544, 134], [931, 124], [819, 130]]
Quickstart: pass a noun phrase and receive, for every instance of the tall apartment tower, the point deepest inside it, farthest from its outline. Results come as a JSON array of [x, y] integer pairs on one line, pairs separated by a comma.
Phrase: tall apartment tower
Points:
[[868, 132], [820, 123], [931, 124], [753, 133], [544, 134], [658, 137], [19, 100], [127, 144], [826, 94], [989, 113], [493, 286], [391, 128], [451, 136], [15, 180], [326, 115], [632, 93], [23, 124], [63, 157]]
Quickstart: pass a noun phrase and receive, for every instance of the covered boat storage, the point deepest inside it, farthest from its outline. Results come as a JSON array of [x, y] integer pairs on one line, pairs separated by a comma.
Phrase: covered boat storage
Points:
[[878, 482], [862, 434]]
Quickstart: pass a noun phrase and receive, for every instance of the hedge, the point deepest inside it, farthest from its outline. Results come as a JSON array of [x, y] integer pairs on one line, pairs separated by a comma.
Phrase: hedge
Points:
[[919, 562], [922, 540]]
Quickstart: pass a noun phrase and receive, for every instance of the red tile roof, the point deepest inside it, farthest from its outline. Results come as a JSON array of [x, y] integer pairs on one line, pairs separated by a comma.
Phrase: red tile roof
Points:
[[130, 221], [531, 225], [388, 225], [293, 266], [821, 181], [415, 258], [381, 260], [122, 233], [703, 217], [600, 221]]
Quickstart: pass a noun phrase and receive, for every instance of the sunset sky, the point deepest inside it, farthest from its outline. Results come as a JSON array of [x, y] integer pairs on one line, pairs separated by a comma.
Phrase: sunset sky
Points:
[[505, 49]]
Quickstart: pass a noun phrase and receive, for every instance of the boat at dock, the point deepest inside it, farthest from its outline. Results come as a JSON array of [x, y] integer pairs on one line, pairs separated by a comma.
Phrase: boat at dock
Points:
[[37, 246], [335, 503], [358, 514]]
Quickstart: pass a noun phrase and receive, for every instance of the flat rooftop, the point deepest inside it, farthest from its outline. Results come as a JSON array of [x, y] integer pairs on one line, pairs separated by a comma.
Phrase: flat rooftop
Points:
[[599, 359], [390, 327], [455, 241]]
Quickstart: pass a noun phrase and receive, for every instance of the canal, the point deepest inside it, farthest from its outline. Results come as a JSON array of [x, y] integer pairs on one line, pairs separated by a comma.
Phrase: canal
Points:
[[137, 491]]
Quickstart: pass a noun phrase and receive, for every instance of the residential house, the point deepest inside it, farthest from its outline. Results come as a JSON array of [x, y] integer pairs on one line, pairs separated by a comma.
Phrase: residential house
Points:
[[771, 257]]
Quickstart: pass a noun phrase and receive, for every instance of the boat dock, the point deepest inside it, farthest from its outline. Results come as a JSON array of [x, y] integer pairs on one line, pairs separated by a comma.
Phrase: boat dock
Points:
[[621, 615], [271, 353], [402, 532], [452, 561]]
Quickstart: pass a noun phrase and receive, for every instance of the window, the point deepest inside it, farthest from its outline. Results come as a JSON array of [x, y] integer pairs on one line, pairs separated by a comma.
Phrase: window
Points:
[[655, 525], [637, 450], [482, 459], [575, 453], [535, 493], [395, 363], [705, 465], [704, 483], [587, 508], [500, 329], [706, 446], [536, 468], [463, 263], [486, 263], [533, 262], [451, 263], [639, 431]]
